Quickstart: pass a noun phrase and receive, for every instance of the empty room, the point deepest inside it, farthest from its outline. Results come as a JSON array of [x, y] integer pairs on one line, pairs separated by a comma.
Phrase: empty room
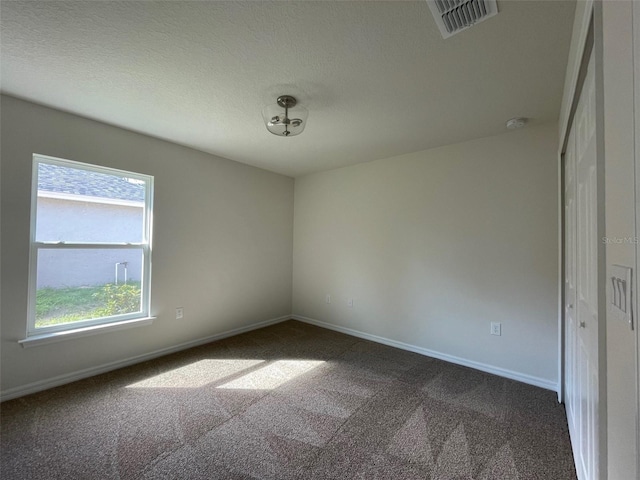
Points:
[[281, 240]]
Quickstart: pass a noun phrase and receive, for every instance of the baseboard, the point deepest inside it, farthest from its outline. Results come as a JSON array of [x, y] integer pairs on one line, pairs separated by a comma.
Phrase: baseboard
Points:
[[90, 372], [502, 372]]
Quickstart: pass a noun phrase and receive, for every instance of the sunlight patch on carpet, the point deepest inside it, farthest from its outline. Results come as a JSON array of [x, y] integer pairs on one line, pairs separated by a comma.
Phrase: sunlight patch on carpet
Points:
[[272, 375], [197, 374]]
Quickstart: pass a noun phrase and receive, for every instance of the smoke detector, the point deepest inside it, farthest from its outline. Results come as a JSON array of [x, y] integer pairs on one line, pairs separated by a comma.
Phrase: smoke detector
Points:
[[453, 16], [516, 123]]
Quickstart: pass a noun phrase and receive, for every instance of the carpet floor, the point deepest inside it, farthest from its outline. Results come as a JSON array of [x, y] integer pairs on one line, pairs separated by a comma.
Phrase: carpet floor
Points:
[[290, 401]]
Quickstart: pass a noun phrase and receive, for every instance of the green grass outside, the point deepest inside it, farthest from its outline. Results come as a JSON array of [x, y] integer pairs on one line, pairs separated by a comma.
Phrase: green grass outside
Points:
[[64, 305]]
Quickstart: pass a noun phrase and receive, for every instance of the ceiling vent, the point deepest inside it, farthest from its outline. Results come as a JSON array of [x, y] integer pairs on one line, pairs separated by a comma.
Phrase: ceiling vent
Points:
[[453, 16]]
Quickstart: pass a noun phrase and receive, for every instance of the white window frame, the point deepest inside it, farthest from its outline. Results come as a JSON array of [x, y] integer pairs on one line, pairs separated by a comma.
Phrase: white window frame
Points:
[[144, 246]]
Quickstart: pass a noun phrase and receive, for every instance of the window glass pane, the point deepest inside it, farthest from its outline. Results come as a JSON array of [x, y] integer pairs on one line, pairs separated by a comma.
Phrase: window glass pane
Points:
[[77, 205], [83, 284]]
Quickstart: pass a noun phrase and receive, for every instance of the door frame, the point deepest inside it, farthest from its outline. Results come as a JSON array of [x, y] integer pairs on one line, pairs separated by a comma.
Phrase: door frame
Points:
[[636, 290], [598, 45]]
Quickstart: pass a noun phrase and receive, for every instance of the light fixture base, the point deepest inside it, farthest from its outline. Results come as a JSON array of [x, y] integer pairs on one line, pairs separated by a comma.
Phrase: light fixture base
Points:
[[516, 123], [286, 101]]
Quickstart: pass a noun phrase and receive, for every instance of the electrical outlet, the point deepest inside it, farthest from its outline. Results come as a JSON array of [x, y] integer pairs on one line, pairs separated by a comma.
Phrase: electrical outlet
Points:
[[496, 328], [350, 302], [179, 313], [328, 298]]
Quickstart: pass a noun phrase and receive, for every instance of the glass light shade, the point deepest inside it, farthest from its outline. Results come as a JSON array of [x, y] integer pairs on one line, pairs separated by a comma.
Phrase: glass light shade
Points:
[[278, 124]]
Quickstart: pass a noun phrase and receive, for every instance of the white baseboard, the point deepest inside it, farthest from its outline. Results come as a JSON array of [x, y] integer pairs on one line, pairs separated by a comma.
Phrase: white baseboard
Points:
[[38, 386], [502, 372]]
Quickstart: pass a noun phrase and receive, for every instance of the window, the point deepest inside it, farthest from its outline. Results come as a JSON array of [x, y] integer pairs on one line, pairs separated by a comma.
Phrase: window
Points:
[[90, 259]]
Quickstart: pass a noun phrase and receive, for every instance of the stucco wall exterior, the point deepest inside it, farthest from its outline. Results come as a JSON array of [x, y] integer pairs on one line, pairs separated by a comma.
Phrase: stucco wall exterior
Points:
[[82, 221]]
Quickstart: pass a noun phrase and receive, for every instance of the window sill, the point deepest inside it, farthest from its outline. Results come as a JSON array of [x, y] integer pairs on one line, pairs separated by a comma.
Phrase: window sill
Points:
[[55, 337]]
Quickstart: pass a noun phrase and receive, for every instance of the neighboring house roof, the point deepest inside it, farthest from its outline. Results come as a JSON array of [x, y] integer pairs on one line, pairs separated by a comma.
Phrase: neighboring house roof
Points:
[[72, 181]]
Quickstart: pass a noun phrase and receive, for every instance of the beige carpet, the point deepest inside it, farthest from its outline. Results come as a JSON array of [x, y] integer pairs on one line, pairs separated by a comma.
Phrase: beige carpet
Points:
[[291, 401]]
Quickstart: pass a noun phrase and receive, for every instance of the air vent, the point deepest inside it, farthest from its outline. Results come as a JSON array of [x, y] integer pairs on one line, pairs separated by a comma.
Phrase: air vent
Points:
[[453, 16]]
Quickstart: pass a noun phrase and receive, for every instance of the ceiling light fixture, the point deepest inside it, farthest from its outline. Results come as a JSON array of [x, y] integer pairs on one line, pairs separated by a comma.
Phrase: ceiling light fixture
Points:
[[516, 123], [277, 117]]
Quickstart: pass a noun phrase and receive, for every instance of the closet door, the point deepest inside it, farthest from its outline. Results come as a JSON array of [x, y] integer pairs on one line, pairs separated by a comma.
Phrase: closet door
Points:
[[581, 290], [570, 279]]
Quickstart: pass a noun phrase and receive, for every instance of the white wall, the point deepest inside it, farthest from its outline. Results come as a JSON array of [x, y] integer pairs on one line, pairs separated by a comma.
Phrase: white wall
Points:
[[620, 205], [433, 246], [221, 248]]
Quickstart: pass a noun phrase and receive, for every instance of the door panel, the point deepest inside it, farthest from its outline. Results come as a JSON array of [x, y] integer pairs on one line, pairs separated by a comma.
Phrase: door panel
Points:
[[570, 278], [581, 283]]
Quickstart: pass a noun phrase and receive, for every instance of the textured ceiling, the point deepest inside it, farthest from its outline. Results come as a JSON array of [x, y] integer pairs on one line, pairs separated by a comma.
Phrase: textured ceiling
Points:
[[377, 77]]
